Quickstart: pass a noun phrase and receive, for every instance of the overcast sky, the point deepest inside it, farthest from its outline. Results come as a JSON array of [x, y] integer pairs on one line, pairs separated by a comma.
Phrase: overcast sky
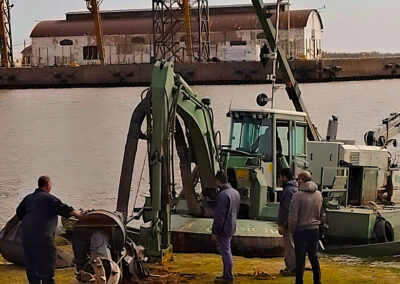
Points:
[[349, 25]]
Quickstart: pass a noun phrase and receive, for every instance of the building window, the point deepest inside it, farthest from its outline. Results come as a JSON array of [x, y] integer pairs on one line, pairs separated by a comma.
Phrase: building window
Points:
[[66, 42], [90, 52], [138, 39], [238, 42], [261, 36]]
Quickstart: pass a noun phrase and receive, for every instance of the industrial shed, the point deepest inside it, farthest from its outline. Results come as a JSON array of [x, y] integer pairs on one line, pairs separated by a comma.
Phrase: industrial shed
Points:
[[235, 35]]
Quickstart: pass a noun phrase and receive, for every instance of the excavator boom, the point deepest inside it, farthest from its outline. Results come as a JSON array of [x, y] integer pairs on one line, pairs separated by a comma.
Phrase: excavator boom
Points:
[[173, 113], [292, 88]]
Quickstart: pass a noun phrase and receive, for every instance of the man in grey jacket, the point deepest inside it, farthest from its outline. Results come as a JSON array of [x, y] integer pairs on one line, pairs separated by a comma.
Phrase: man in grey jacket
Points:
[[224, 226], [305, 215], [289, 185]]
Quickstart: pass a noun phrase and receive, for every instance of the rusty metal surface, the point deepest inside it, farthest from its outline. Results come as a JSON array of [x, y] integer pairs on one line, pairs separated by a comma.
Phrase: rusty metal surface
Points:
[[199, 73], [79, 28], [245, 246], [101, 221], [298, 19], [144, 25]]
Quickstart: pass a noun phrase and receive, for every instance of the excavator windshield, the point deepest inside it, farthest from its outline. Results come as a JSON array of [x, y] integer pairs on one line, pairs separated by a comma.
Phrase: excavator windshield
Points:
[[253, 136]]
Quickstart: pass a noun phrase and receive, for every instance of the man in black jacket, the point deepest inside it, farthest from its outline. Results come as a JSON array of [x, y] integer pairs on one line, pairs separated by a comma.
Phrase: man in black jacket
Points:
[[289, 186], [39, 212]]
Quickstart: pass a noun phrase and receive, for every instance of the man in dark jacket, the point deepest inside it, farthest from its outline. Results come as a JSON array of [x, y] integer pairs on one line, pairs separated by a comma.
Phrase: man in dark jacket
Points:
[[305, 216], [224, 226], [289, 185], [38, 212]]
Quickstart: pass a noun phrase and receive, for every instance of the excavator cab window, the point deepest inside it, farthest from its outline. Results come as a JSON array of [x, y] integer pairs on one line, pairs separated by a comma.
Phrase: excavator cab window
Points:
[[282, 138], [299, 145], [253, 136]]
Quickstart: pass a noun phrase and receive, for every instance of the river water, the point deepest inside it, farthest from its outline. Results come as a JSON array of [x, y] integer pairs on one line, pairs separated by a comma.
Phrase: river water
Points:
[[77, 136]]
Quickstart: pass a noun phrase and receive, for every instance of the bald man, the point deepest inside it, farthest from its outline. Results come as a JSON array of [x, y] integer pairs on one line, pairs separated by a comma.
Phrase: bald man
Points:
[[39, 213]]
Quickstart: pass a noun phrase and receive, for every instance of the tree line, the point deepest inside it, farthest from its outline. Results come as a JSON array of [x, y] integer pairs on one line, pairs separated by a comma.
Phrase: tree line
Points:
[[326, 54]]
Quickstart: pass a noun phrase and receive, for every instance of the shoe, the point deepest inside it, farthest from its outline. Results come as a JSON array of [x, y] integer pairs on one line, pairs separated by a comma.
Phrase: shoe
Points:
[[221, 279], [285, 272]]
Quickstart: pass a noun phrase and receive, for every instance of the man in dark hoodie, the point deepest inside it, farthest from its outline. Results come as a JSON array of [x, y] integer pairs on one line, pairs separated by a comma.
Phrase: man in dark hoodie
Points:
[[224, 226], [289, 185], [305, 216]]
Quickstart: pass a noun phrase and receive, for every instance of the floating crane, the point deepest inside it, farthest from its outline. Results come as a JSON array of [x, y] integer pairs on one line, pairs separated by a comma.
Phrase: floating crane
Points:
[[93, 7]]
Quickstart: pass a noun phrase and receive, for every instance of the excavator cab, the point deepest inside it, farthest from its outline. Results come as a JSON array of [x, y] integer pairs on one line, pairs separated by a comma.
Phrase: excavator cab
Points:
[[261, 143]]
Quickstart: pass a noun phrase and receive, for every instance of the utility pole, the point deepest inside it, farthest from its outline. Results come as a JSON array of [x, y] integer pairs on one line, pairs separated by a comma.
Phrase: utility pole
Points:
[[93, 7], [5, 34]]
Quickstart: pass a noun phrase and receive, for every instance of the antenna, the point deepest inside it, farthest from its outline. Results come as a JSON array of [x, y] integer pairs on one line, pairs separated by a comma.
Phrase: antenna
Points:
[[275, 53], [230, 104]]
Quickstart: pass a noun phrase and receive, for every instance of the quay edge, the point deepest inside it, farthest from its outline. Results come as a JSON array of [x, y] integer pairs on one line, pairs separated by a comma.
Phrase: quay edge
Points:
[[211, 73]]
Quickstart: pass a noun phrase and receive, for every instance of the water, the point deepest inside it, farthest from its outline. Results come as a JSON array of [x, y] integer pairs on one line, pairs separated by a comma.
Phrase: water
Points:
[[77, 136]]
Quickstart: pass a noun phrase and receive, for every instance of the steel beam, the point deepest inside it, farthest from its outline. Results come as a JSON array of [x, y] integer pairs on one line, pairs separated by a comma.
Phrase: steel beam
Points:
[[93, 7], [174, 20], [292, 88], [5, 34]]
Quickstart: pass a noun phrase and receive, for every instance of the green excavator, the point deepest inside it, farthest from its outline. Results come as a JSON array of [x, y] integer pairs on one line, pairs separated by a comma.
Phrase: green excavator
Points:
[[262, 140]]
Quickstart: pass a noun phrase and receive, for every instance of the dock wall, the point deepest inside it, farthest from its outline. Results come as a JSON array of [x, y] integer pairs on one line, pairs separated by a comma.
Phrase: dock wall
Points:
[[198, 73]]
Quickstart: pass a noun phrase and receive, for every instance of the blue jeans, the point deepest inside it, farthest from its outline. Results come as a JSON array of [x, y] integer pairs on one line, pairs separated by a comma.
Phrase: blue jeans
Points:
[[307, 241], [224, 248]]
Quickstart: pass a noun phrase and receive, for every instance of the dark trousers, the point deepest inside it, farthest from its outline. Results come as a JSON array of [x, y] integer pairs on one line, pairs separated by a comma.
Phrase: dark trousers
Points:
[[307, 241], [39, 259], [224, 248]]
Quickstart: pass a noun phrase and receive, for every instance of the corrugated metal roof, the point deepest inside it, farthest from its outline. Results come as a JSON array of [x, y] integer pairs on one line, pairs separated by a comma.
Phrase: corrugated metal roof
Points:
[[218, 22], [298, 18], [27, 50], [64, 28]]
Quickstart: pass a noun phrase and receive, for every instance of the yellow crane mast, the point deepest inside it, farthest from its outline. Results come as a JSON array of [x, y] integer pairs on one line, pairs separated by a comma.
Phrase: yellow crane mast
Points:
[[5, 34], [93, 7], [188, 30]]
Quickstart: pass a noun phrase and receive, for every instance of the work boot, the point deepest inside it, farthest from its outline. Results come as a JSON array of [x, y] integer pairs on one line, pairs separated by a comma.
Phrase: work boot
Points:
[[285, 272], [221, 279]]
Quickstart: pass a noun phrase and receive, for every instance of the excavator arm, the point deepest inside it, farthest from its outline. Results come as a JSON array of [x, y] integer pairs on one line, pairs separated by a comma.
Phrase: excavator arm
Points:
[[168, 98], [384, 134], [292, 87]]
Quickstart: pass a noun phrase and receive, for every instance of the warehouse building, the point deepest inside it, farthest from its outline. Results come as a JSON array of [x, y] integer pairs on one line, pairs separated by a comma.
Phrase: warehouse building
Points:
[[235, 35]]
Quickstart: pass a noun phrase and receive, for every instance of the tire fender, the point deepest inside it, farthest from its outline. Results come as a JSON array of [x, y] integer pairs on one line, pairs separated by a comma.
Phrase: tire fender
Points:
[[383, 230]]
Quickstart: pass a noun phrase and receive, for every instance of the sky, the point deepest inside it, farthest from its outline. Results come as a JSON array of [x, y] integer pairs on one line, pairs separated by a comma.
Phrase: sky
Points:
[[349, 25]]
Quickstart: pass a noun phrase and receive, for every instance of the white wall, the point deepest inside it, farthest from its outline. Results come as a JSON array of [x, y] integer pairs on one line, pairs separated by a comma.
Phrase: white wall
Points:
[[295, 47], [313, 37], [125, 49], [117, 50]]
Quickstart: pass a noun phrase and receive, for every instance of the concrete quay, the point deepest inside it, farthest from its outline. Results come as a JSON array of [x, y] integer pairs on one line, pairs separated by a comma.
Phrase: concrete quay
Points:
[[211, 73]]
